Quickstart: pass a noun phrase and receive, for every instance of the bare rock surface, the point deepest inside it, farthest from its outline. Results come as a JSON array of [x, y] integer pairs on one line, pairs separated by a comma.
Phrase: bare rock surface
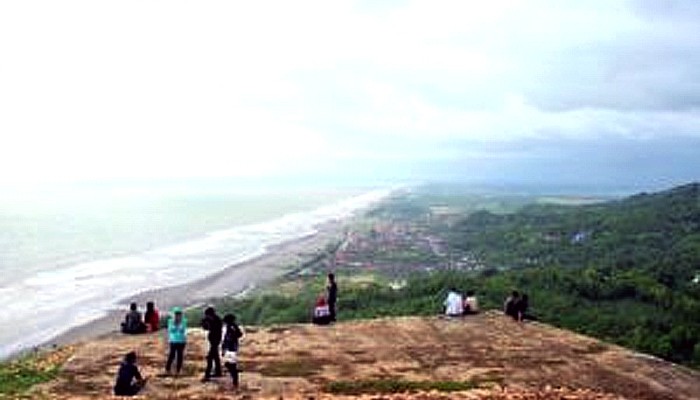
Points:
[[487, 356]]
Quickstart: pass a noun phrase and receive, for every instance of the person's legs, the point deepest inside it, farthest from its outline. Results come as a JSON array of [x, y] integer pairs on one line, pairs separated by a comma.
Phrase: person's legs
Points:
[[331, 308], [233, 371], [213, 360], [180, 355], [217, 359], [171, 357], [210, 361]]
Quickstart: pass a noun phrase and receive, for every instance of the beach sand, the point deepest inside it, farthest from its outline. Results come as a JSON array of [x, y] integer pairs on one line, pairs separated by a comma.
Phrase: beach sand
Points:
[[235, 279]]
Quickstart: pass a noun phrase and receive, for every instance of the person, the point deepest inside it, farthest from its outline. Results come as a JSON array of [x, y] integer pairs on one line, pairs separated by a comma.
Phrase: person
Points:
[[177, 338], [322, 313], [510, 307], [229, 348], [332, 289], [213, 324], [454, 306], [129, 379], [151, 317], [471, 303], [133, 323]]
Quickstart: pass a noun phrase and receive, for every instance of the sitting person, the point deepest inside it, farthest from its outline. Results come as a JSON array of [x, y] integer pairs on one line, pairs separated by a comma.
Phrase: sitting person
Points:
[[454, 306], [132, 322], [322, 312], [471, 304], [129, 379], [152, 317], [511, 305]]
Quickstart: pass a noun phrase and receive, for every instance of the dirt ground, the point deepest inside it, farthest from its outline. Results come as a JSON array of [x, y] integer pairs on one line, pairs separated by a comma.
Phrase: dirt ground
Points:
[[492, 357]]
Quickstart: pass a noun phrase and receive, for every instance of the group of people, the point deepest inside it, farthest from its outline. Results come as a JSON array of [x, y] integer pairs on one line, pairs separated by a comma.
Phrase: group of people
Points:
[[135, 324], [223, 336], [458, 305], [515, 306]]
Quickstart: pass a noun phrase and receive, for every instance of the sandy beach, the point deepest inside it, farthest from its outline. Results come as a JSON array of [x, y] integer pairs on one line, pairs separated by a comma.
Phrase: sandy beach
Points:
[[235, 279]]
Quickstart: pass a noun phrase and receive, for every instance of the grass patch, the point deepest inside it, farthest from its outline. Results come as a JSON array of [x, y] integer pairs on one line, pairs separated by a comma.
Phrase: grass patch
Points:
[[296, 368], [384, 386], [18, 376]]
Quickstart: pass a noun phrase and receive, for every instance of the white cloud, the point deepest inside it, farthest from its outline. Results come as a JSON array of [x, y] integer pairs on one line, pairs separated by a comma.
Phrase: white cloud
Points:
[[157, 89]]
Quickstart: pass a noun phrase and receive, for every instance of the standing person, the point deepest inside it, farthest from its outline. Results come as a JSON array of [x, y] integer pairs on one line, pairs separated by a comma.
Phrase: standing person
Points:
[[129, 379], [229, 347], [332, 289], [213, 324], [177, 337], [151, 317]]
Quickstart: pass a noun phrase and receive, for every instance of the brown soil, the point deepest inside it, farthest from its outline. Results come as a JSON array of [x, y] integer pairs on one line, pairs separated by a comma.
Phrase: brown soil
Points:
[[490, 356]]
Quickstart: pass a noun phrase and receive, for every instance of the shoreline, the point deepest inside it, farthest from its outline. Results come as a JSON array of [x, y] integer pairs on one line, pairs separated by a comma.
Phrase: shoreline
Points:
[[235, 279]]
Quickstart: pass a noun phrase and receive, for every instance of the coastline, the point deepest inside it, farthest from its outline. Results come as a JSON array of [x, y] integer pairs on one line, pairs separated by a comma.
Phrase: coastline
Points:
[[232, 280]]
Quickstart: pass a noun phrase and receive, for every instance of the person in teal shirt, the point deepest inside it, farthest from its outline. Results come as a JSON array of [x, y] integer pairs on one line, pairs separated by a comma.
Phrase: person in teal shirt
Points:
[[177, 337]]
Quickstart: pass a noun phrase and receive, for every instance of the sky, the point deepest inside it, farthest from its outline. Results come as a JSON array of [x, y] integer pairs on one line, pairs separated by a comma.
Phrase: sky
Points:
[[598, 92]]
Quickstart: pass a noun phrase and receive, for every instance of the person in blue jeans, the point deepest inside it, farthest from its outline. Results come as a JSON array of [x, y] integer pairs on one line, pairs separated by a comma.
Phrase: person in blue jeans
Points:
[[177, 337]]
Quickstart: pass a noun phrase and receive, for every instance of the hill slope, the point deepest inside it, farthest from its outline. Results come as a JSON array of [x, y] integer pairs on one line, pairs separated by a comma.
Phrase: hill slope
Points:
[[481, 357]]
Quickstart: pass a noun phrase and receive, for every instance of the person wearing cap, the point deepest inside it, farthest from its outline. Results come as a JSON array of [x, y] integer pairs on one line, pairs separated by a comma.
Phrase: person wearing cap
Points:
[[177, 337]]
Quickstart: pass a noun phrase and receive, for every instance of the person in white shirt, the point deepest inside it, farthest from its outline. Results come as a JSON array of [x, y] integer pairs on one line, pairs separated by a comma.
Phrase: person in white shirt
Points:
[[454, 305]]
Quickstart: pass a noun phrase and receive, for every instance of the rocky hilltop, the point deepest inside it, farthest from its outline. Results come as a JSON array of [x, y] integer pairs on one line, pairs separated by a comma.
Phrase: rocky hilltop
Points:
[[487, 356]]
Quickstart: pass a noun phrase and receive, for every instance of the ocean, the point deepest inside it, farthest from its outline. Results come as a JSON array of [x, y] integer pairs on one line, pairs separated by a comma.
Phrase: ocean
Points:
[[70, 254]]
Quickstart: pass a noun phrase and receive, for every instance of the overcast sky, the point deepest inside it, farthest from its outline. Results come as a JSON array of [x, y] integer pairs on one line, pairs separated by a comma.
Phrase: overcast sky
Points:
[[531, 91]]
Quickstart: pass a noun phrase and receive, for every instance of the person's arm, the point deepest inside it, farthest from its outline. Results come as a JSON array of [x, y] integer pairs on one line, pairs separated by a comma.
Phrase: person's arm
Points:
[[137, 374]]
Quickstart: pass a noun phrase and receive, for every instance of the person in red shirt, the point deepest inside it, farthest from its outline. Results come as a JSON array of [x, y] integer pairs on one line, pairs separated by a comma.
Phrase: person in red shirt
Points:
[[151, 318]]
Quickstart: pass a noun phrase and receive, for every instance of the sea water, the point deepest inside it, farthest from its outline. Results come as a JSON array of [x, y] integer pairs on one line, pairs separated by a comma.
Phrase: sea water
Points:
[[68, 256]]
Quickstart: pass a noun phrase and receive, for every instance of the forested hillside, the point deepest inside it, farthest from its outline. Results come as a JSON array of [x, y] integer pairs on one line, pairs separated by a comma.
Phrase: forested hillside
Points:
[[625, 270]]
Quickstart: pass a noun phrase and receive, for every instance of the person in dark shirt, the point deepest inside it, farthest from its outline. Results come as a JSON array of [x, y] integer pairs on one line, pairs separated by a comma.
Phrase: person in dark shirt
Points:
[[212, 323], [332, 297], [133, 323], [129, 379], [229, 348]]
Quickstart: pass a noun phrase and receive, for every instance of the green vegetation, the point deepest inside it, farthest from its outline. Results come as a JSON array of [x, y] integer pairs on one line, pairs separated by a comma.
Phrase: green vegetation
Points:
[[623, 271], [386, 386], [18, 376]]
